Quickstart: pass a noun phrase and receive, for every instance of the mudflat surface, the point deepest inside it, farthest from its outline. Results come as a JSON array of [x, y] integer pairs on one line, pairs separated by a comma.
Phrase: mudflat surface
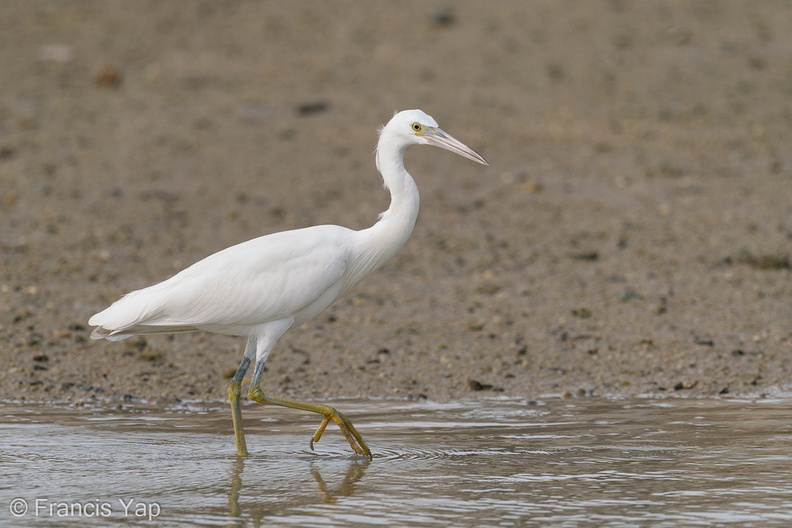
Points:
[[631, 236]]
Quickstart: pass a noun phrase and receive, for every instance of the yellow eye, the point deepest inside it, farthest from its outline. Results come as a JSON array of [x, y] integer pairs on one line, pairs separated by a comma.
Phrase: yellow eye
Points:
[[417, 127]]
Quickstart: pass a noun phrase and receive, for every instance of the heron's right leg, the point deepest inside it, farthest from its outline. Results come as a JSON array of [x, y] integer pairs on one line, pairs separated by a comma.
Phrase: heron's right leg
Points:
[[235, 392], [330, 413]]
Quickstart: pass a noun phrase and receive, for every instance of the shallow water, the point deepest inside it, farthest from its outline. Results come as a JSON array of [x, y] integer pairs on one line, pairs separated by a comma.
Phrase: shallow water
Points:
[[580, 462]]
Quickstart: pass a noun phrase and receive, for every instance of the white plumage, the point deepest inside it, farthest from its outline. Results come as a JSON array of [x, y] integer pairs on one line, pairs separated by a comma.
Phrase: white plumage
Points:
[[285, 275], [262, 287]]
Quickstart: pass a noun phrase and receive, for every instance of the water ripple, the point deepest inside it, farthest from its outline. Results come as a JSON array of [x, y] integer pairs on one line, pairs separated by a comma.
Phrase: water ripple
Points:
[[490, 463]]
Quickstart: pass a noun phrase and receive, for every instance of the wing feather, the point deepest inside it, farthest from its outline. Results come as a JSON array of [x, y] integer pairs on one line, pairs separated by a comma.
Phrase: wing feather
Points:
[[265, 279]]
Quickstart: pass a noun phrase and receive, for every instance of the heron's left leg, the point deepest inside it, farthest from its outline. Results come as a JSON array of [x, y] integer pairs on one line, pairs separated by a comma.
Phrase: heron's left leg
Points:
[[234, 393], [353, 437]]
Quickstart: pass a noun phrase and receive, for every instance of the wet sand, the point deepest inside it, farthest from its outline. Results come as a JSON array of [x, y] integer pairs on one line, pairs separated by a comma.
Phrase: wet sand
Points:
[[632, 235]]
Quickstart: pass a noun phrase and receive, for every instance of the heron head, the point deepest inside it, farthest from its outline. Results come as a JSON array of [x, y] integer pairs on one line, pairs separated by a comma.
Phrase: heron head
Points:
[[418, 128]]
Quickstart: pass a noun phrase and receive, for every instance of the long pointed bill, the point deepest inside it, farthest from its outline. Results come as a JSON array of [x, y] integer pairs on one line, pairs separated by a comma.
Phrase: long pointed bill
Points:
[[440, 139]]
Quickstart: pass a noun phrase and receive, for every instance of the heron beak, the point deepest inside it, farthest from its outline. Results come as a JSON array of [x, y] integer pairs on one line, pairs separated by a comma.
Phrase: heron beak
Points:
[[438, 138]]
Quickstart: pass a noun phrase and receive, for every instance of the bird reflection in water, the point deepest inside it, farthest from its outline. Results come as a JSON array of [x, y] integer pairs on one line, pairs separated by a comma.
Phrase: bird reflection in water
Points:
[[327, 492]]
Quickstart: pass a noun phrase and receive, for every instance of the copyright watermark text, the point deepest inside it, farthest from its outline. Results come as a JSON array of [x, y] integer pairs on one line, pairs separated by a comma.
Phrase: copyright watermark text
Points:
[[20, 507]]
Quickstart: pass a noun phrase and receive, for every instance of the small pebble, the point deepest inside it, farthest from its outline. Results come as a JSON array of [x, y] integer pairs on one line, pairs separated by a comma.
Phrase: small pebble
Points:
[[108, 77], [477, 385], [443, 18], [316, 107]]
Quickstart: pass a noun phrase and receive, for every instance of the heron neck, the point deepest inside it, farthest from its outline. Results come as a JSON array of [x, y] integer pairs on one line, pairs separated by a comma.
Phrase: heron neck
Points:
[[389, 234], [405, 200]]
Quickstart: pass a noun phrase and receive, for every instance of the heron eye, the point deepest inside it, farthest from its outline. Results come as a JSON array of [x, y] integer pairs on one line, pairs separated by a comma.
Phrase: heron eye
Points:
[[416, 127]]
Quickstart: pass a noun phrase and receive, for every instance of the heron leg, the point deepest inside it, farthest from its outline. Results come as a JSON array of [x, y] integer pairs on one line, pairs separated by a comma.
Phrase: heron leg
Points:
[[234, 394], [350, 433]]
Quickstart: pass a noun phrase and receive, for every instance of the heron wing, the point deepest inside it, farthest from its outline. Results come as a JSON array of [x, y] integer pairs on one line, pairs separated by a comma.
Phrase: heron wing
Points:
[[265, 279]]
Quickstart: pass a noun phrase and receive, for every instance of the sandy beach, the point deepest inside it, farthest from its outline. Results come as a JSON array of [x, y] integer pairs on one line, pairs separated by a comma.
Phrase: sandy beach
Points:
[[631, 236]]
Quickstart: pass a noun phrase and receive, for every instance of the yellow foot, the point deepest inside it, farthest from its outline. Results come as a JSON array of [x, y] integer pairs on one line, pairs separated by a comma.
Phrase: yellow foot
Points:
[[350, 433]]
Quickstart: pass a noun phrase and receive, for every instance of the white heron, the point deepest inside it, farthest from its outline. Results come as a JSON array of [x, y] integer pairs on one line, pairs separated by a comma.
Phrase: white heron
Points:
[[263, 287]]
